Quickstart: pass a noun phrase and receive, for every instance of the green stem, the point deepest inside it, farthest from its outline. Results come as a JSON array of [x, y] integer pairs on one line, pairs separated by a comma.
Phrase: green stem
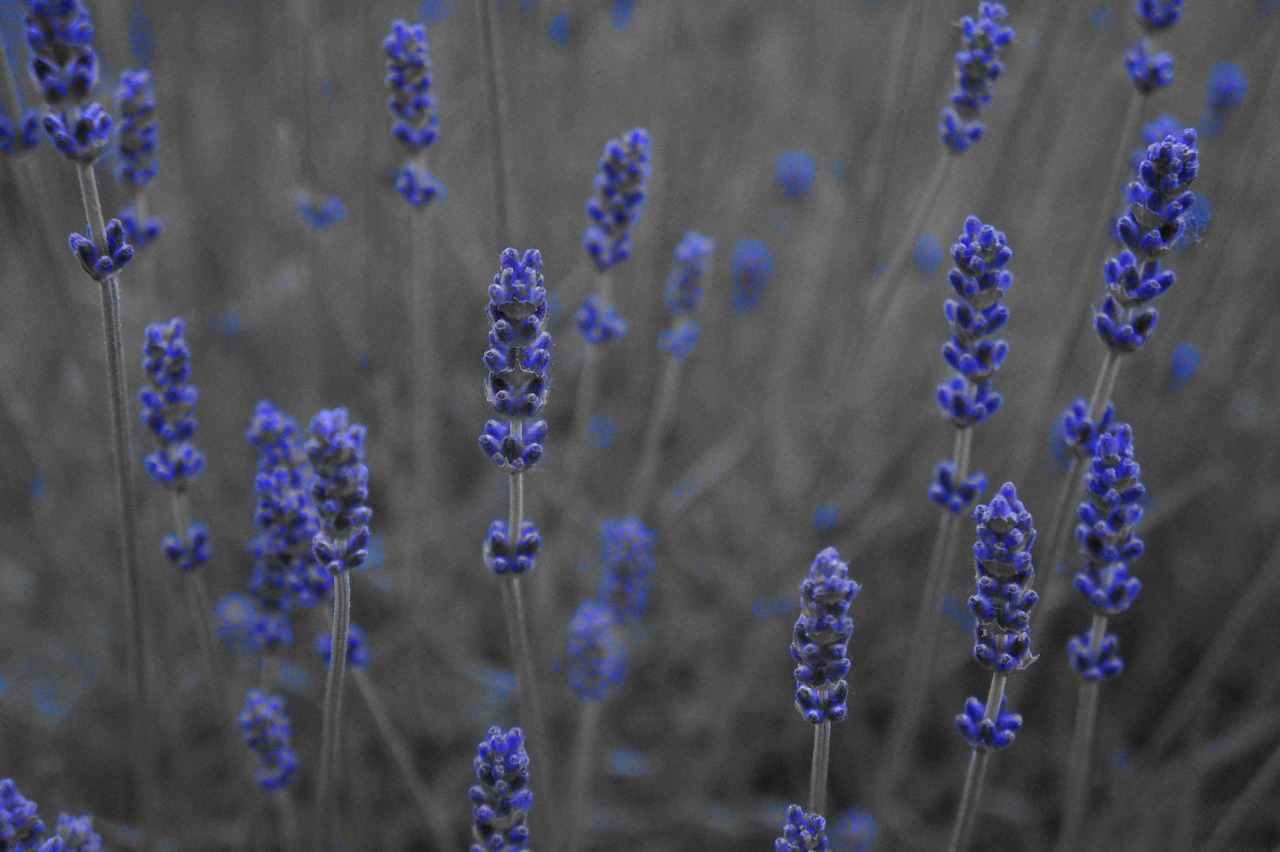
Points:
[[819, 766], [962, 831], [910, 703], [333, 701], [1081, 746], [399, 751]]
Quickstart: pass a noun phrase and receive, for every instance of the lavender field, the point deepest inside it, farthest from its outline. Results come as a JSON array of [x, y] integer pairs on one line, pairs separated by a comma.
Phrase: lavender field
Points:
[[630, 486]]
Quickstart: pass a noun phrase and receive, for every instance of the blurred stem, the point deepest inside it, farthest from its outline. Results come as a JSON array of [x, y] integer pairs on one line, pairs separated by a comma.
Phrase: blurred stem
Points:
[[1081, 746], [332, 703], [286, 820], [910, 704], [399, 750], [423, 424], [583, 760], [196, 592], [910, 235], [127, 520], [655, 433], [495, 98], [1250, 801], [962, 832], [818, 768], [587, 385]]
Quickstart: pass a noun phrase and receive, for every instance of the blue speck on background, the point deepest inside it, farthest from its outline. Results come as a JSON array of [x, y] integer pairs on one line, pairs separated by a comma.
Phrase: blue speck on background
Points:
[[1182, 365], [837, 169], [825, 518], [602, 430], [958, 612], [326, 86], [852, 831], [620, 14], [295, 679], [794, 172], [1122, 759], [881, 267], [1196, 222], [928, 254], [228, 325], [436, 10], [1058, 441], [1100, 17], [364, 360], [558, 30], [627, 763], [764, 607], [142, 38], [37, 487], [320, 216]]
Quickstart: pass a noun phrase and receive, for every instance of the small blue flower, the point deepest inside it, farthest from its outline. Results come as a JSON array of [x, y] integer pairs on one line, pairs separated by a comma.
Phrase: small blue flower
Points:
[[621, 186], [1158, 14], [597, 663], [802, 832], [626, 562], [558, 30], [142, 36], [1003, 599], [825, 518], [1152, 132], [77, 834], [498, 557], [955, 497], [1101, 666], [64, 64], [927, 254], [751, 266], [820, 639], [357, 647], [19, 139], [501, 798], [1079, 432], [236, 619], [599, 323], [679, 340], [1148, 71], [692, 262], [853, 831], [620, 14], [411, 103], [794, 172], [323, 215], [1227, 86], [102, 263], [1182, 365], [265, 729], [138, 232], [138, 134], [21, 829], [987, 734], [978, 65]]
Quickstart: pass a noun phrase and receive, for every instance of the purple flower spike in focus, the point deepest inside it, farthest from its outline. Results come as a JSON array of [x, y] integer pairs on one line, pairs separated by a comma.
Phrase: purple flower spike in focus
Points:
[[498, 557], [64, 66], [501, 798], [1159, 200], [621, 186], [517, 359], [978, 66], [265, 729], [595, 657], [102, 263], [987, 734], [802, 832], [168, 405], [340, 490], [1003, 600], [820, 639]]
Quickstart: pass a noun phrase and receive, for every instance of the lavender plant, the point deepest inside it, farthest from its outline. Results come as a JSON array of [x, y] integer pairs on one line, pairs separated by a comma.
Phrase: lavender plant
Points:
[[1109, 545], [340, 489], [138, 140], [802, 832], [1002, 605], [265, 729], [751, 265], [22, 830], [501, 798], [820, 648]]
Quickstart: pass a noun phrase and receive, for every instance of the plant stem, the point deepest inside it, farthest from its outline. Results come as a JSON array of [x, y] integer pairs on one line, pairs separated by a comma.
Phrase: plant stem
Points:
[[404, 762], [654, 434], [1081, 745], [583, 761], [196, 592], [587, 386], [962, 832], [928, 200], [425, 480], [333, 700], [1250, 801], [910, 703], [819, 767], [495, 97]]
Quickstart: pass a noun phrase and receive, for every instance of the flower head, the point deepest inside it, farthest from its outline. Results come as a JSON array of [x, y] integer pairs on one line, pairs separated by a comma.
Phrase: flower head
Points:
[[168, 405], [626, 563], [692, 261], [1148, 70], [597, 663], [621, 186], [978, 65], [751, 266], [64, 64], [21, 829], [599, 323], [340, 490], [18, 139], [265, 729], [501, 798], [793, 172], [138, 136], [77, 834], [679, 340], [1003, 599], [416, 122], [820, 639], [955, 497], [1080, 432], [357, 647], [98, 261], [1158, 14], [987, 734], [1108, 517], [802, 832]]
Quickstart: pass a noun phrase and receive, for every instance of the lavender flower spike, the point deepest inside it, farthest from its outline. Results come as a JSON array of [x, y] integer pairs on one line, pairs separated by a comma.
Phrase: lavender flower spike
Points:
[[692, 261], [64, 66], [265, 729], [621, 186], [21, 829], [597, 663], [820, 639], [626, 563], [340, 490], [138, 136], [978, 65], [413, 107], [802, 832], [501, 798]]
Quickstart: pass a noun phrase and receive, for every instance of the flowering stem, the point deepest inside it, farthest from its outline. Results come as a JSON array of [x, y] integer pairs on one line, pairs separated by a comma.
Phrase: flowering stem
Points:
[[586, 400], [1081, 744], [820, 764], [400, 753], [654, 434], [977, 774], [500, 160], [583, 761], [425, 485], [333, 698], [197, 593], [920, 655]]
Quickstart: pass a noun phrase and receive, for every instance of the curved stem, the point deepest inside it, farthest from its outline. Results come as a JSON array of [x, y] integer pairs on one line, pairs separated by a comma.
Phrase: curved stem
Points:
[[962, 831], [819, 767], [333, 700], [909, 706], [1081, 746]]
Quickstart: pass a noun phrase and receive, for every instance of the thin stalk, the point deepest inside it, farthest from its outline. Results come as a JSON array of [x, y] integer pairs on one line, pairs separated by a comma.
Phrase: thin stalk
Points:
[[399, 751], [910, 703], [587, 387], [333, 700], [495, 98], [286, 820], [1081, 745], [126, 519], [193, 585], [583, 761], [819, 767], [928, 199], [1250, 801], [654, 434], [425, 483], [962, 831]]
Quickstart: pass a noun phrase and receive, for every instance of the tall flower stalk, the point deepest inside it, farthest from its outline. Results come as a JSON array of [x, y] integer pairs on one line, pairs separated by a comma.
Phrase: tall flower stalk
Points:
[[1108, 543], [1002, 605], [974, 353], [1159, 200], [340, 490], [516, 386], [168, 412], [621, 186], [415, 126], [820, 648]]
